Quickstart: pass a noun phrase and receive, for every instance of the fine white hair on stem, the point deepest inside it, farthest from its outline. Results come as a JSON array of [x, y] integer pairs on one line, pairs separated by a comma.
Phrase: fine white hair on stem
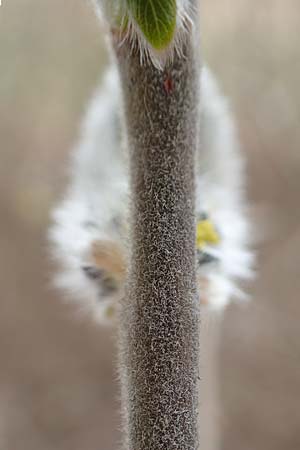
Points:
[[125, 28]]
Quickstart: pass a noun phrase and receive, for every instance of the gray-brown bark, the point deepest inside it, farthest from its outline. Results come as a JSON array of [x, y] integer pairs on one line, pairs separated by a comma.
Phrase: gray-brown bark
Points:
[[160, 313]]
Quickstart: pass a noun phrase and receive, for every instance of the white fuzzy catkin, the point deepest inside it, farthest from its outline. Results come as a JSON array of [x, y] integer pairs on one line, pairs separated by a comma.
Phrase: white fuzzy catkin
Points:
[[95, 206]]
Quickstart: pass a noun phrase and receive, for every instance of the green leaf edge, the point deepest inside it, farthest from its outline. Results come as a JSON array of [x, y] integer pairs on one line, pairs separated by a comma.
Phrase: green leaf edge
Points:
[[158, 31]]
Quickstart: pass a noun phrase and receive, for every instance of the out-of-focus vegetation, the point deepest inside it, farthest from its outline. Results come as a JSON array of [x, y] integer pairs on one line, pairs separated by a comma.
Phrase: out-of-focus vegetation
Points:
[[57, 382]]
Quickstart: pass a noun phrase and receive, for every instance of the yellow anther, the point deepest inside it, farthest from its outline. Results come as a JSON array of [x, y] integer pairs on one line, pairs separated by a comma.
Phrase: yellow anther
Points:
[[206, 234]]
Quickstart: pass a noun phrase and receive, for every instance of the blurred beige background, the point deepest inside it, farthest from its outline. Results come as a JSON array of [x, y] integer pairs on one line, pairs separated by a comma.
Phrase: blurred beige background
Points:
[[58, 388]]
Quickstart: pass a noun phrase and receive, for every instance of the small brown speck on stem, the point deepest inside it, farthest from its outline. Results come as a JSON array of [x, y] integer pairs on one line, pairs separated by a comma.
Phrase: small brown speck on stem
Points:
[[168, 84]]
